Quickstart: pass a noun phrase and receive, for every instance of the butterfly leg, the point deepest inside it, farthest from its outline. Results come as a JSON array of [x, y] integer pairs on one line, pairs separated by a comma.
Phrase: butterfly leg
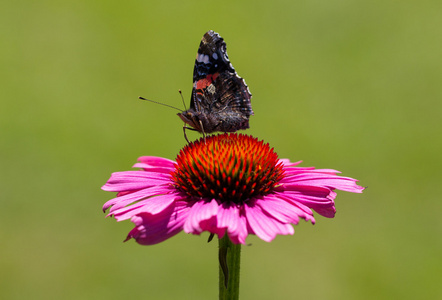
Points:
[[193, 129], [185, 135], [202, 131], [188, 128]]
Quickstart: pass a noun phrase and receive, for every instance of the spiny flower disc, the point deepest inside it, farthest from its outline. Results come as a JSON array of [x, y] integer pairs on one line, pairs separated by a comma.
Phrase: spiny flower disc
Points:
[[228, 167]]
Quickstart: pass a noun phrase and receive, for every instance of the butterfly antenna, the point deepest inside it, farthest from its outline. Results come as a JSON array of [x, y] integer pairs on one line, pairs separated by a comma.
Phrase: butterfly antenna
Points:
[[182, 98], [160, 103]]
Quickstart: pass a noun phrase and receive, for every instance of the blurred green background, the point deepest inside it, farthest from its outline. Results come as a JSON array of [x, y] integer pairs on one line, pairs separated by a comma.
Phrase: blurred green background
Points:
[[350, 85]]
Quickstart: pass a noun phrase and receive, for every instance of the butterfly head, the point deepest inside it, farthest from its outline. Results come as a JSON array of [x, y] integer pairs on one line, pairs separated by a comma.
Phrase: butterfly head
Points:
[[190, 117]]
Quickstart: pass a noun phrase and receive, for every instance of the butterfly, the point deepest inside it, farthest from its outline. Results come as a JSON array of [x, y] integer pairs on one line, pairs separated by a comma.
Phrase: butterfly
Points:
[[221, 100]]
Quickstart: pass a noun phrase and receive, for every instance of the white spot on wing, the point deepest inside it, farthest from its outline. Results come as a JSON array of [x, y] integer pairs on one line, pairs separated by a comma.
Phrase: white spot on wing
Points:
[[215, 56], [202, 58]]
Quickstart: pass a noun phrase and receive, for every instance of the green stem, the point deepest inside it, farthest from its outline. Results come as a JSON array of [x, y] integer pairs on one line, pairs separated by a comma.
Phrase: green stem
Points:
[[229, 264]]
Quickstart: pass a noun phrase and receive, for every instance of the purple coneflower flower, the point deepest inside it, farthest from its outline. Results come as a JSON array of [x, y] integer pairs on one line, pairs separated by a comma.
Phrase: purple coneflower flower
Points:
[[225, 184]]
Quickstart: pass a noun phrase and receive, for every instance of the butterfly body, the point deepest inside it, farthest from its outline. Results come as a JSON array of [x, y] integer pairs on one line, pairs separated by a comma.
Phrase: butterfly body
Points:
[[221, 100]]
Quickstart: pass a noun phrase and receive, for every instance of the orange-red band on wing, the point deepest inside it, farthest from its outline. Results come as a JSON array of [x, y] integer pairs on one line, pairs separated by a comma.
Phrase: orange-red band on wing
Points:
[[203, 83]]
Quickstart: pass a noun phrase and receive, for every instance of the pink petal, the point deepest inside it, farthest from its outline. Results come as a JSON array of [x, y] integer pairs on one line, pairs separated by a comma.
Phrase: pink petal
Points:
[[239, 233], [287, 163], [159, 170], [127, 199], [134, 180], [323, 180], [300, 209], [152, 229], [264, 226], [201, 217], [322, 205], [294, 171], [153, 205], [279, 209], [228, 217], [155, 161]]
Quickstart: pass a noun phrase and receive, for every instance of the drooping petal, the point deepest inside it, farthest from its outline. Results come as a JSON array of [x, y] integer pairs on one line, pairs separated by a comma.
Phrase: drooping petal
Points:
[[323, 205], [315, 179], [228, 217], [239, 233], [155, 164], [152, 229], [134, 180], [127, 199], [287, 163], [152, 205], [156, 161], [279, 209], [160, 170], [265, 226], [201, 217], [298, 170]]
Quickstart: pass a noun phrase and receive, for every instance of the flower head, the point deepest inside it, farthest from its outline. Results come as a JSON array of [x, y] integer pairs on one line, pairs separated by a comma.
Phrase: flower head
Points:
[[228, 183]]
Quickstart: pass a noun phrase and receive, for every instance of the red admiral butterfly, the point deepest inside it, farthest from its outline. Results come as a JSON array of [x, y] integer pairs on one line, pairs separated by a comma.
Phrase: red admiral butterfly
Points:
[[220, 98]]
